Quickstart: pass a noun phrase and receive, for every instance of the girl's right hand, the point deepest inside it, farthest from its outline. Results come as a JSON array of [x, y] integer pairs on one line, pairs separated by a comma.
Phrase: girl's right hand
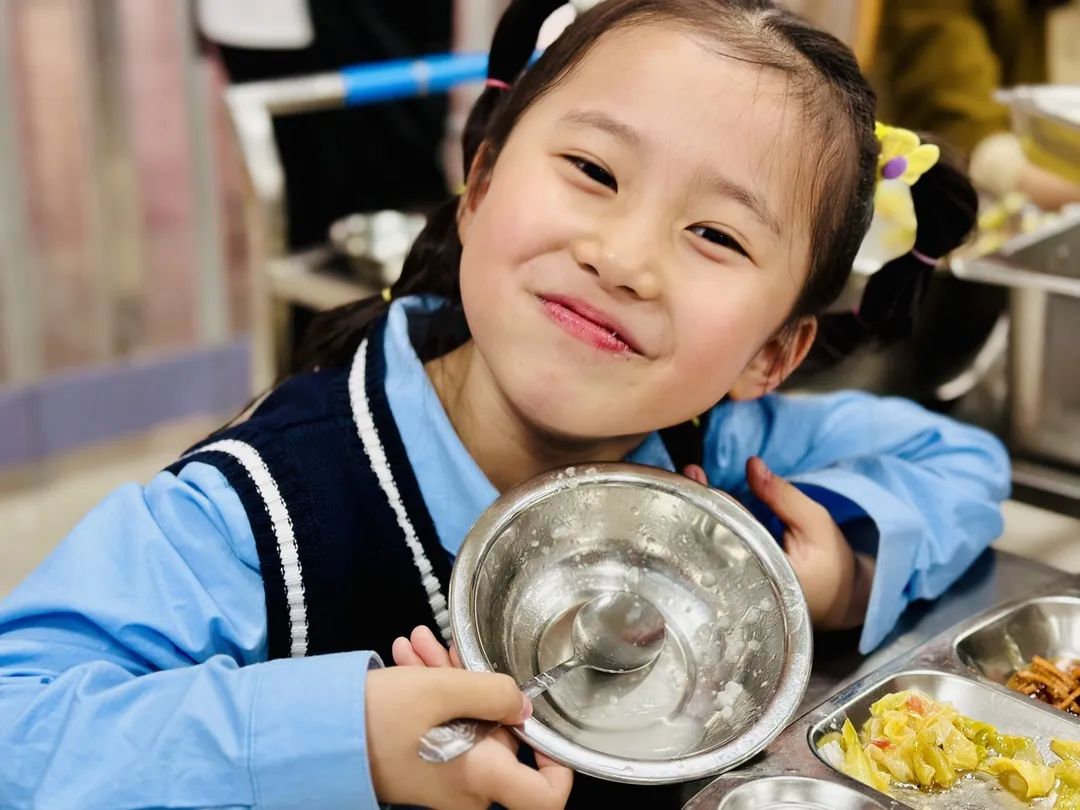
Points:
[[422, 649], [404, 702]]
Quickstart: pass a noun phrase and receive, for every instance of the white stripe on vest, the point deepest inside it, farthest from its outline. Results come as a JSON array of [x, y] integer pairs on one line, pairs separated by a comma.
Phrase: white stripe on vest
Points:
[[369, 436], [268, 490]]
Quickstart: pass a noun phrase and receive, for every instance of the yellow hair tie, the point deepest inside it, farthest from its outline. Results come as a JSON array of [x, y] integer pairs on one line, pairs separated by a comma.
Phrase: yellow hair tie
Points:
[[387, 295]]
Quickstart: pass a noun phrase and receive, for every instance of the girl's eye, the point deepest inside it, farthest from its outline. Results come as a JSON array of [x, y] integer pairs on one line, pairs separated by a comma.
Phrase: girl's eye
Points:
[[593, 172], [718, 238]]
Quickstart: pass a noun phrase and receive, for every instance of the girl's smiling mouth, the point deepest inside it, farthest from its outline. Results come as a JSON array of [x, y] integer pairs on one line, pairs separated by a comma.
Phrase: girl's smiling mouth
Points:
[[589, 325]]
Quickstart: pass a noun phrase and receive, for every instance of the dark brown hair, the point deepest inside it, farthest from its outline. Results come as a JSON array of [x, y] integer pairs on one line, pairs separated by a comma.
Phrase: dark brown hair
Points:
[[836, 105]]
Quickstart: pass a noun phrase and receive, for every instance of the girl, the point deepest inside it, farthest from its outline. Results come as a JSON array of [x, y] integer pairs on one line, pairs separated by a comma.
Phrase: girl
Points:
[[655, 211]]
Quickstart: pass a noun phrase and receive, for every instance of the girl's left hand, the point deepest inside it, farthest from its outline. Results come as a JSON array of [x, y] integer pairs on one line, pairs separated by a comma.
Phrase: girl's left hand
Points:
[[835, 580]]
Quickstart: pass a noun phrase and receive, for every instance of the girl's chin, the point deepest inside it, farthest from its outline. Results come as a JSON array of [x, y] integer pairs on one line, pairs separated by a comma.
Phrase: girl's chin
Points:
[[568, 424]]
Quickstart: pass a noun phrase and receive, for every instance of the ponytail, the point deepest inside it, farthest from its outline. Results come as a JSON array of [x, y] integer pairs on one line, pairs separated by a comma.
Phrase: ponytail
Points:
[[946, 207]]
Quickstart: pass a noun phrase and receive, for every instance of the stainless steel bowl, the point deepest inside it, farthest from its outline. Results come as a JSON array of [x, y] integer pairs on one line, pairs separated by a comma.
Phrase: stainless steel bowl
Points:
[[795, 793], [737, 656]]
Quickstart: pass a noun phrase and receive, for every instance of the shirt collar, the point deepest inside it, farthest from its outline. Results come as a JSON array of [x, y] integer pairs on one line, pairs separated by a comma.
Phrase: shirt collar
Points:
[[454, 487]]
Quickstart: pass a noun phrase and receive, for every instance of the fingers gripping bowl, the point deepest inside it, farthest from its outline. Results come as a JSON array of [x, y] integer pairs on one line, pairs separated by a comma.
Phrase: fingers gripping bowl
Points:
[[736, 657]]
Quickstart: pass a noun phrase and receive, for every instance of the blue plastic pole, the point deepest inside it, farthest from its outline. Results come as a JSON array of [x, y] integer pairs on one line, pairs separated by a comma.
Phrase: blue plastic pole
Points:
[[408, 78]]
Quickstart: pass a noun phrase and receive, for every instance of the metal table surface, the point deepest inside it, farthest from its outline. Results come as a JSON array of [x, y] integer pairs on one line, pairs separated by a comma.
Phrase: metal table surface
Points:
[[995, 578]]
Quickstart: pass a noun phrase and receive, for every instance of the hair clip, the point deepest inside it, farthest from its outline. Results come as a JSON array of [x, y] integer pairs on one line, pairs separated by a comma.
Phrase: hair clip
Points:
[[902, 161], [903, 157], [498, 84]]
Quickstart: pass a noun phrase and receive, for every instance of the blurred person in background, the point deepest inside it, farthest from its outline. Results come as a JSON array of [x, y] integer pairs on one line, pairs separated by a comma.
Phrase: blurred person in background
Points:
[[937, 64]]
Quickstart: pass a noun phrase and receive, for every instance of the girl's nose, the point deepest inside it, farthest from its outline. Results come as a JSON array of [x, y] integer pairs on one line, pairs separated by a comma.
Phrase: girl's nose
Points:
[[622, 256]]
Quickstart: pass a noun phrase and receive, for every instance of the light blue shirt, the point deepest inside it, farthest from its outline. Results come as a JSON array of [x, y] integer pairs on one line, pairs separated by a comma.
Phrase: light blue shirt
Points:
[[133, 667]]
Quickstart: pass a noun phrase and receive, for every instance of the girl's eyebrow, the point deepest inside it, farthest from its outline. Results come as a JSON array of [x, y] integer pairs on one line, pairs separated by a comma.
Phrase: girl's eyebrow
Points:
[[750, 199], [604, 122]]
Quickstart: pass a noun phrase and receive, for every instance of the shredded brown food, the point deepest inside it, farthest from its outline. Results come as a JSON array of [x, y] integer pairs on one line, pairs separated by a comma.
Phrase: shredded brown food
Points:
[[1044, 681]]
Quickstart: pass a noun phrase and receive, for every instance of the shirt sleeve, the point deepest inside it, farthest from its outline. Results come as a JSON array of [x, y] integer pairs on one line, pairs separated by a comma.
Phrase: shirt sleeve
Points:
[[133, 669], [931, 486]]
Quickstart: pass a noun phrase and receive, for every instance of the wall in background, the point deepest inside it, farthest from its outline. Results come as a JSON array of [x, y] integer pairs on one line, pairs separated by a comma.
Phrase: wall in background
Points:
[[121, 229]]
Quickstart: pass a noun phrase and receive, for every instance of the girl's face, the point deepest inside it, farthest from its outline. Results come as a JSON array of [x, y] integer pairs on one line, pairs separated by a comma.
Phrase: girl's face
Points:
[[640, 238]]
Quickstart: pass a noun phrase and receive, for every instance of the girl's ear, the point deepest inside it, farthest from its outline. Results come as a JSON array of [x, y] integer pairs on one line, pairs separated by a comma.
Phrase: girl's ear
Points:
[[476, 186], [776, 360]]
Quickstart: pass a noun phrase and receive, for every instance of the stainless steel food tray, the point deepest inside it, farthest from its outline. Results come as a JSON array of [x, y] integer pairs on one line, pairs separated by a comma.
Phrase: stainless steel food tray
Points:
[[967, 666]]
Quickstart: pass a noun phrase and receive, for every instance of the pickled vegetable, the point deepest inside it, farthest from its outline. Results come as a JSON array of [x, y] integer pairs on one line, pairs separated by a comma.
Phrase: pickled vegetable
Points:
[[1026, 780], [911, 739], [1068, 750], [1068, 774]]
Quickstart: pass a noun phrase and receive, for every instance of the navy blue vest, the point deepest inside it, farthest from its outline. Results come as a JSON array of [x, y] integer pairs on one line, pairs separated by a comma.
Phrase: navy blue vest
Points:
[[349, 556], [338, 569]]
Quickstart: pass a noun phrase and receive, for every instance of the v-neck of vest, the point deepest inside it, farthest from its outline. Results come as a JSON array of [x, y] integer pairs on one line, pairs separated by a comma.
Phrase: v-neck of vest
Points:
[[386, 453]]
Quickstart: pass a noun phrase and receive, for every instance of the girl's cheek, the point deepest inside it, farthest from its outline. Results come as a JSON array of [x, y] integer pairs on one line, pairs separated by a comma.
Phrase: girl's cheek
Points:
[[719, 332]]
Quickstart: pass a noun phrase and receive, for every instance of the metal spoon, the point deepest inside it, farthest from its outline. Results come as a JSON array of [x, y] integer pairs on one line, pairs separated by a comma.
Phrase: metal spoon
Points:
[[615, 632]]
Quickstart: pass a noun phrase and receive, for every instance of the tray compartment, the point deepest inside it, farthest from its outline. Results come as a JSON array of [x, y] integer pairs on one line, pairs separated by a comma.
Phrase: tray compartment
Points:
[[1011, 714], [1048, 626]]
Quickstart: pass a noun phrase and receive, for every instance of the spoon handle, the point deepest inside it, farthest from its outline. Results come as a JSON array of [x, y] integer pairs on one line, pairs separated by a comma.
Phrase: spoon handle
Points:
[[539, 684], [453, 738]]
